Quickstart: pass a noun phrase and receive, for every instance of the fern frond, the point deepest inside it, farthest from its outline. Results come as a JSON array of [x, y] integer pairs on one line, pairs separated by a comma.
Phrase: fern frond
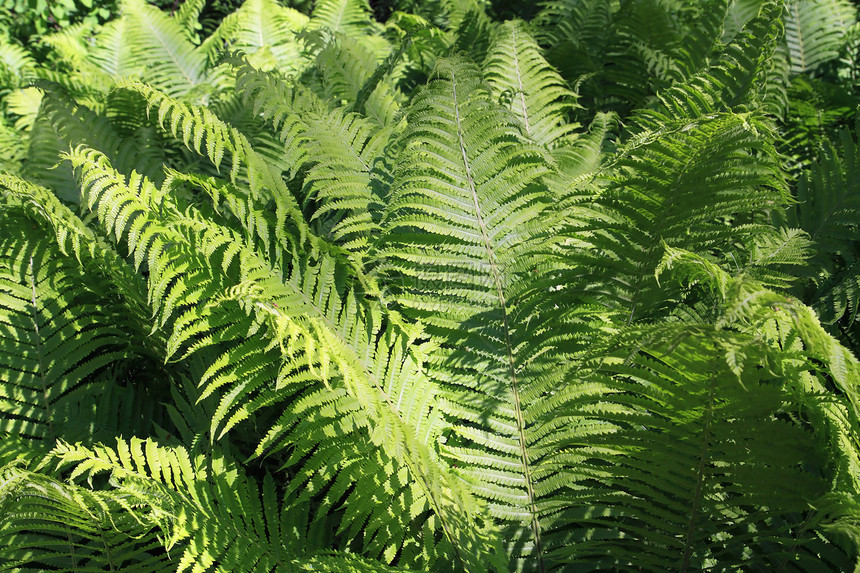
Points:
[[348, 17], [346, 67], [814, 31], [346, 178], [686, 162], [159, 44], [459, 233], [16, 65], [51, 525], [114, 51], [828, 209], [308, 322], [188, 16], [264, 28], [537, 95], [197, 127], [71, 311], [661, 462]]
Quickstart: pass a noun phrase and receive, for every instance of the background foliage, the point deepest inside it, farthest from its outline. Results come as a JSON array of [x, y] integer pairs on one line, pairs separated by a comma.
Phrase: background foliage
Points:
[[443, 285]]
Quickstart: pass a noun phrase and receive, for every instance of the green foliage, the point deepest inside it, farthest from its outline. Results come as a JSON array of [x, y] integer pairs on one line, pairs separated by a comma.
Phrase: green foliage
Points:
[[350, 288]]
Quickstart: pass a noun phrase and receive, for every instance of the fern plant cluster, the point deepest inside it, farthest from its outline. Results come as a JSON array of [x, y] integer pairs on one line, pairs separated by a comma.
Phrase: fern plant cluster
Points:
[[317, 290]]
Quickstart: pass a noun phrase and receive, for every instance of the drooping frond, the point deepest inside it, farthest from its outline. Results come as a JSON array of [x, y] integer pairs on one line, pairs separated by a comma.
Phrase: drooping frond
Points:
[[521, 77], [51, 525], [203, 133]]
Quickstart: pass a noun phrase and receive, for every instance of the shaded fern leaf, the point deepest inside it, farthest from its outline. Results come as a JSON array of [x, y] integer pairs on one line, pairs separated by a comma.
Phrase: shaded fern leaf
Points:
[[661, 461]]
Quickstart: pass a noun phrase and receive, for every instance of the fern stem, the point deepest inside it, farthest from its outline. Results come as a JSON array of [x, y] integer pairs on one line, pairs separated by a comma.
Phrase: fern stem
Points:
[[503, 306], [520, 83]]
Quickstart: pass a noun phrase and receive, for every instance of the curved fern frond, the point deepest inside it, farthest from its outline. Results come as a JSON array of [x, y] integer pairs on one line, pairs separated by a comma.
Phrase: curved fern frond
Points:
[[188, 15], [16, 64], [203, 133], [51, 525], [309, 322]]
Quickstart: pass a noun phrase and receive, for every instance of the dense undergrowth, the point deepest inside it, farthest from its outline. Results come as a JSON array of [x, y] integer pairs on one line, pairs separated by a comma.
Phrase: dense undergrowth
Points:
[[442, 285]]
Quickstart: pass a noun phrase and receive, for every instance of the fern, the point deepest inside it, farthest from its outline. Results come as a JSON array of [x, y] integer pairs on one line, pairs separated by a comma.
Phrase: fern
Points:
[[312, 314]]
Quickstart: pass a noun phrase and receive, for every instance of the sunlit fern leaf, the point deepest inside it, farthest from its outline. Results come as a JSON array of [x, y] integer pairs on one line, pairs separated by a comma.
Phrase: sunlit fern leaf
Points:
[[209, 516], [274, 328], [205, 134], [346, 181], [457, 236], [814, 31], [776, 259], [69, 45], [739, 78], [264, 28], [671, 470], [521, 77], [113, 52], [159, 44]]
